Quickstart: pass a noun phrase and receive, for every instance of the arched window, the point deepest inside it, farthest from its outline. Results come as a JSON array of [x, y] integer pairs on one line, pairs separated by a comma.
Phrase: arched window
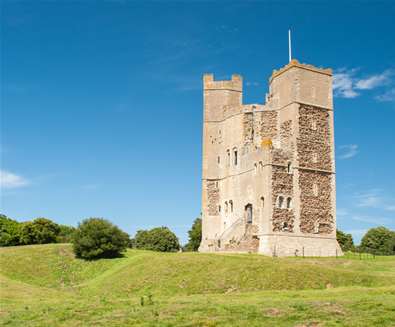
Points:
[[280, 201], [289, 203], [285, 226], [260, 165], [262, 202], [315, 189], [228, 157], [218, 160], [219, 208], [248, 213], [255, 168], [231, 205], [289, 168], [316, 227], [226, 206], [235, 157]]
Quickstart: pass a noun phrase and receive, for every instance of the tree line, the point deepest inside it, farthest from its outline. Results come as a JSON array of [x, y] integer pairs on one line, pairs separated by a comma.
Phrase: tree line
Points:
[[94, 237], [99, 238]]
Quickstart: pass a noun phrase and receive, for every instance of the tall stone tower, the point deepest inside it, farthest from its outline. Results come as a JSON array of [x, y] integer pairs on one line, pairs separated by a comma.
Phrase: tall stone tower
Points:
[[268, 182]]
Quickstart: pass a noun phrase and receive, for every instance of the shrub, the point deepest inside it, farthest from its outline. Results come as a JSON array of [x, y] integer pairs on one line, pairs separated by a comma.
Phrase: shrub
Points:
[[65, 234], [39, 231], [157, 239], [345, 241], [379, 240], [98, 238], [10, 231], [195, 236]]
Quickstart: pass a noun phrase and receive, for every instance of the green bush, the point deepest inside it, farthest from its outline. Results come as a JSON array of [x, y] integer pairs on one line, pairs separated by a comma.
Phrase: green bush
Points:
[[98, 238], [157, 239], [345, 241], [65, 234], [195, 236], [10, 231], [379, 241], [39, 231]]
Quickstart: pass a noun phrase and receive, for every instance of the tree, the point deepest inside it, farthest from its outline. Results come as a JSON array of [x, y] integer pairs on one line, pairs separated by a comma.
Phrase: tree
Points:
[[379, 240], [195, 236], [98, 238], [10, 231], [345, 241], [39, 231], [65, 234], [157, 239]]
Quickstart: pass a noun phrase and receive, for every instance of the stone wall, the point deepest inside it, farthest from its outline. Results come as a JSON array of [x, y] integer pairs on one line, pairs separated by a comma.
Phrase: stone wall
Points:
[[248, 127], [282, 184], [315, 212], [212, 198], [285, 135], [314, 141], [269, 124]]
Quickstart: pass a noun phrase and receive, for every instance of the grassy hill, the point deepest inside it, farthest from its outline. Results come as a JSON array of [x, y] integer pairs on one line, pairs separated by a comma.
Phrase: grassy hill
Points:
[[45, 285]]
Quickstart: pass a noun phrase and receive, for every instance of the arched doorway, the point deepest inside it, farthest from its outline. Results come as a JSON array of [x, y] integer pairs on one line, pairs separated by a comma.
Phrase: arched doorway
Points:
[[248, 213]]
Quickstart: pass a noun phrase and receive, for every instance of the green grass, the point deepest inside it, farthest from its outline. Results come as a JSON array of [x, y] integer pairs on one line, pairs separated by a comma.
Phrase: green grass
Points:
[[46, 286]]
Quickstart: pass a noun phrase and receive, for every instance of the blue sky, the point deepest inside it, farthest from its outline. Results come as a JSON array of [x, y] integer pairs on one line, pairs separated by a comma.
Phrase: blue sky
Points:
[[101, 102]]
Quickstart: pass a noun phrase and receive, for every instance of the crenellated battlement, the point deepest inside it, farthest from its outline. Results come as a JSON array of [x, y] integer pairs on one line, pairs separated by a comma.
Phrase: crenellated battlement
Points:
[[295, 63], [235, 84]]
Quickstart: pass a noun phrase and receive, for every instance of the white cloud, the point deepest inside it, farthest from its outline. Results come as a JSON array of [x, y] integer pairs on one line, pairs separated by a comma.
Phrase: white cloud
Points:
[[348, 151], [371, 219], [374, 81], [374, 199], [390, 207], [341, 212], [343, 85], [9, 180], [387, 96], [346, 84], [370, 199]]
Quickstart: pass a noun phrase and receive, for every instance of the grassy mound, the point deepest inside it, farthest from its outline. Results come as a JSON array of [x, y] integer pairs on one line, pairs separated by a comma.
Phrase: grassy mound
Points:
[[141, 272], [46, 285]]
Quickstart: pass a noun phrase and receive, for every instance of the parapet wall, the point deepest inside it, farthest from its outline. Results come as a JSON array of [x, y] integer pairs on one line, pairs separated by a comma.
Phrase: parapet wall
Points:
[[235, 84]]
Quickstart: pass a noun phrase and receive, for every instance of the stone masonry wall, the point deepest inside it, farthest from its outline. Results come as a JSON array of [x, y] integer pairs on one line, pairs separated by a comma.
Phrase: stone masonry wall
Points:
[[285, 136], [282, 184], [315, 214], [269, 124], [213, 198], [314, 141], [248, 128]]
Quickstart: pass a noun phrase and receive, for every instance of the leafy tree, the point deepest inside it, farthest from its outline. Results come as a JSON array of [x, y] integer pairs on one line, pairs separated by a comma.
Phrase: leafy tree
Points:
[[195, 236], [157, 239], [379, 240], [39, 231], [9, 231], [345, 241], [65, 234], [98, 238]]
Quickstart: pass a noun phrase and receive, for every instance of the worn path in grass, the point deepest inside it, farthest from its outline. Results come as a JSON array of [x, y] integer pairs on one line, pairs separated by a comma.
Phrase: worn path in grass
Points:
[[46, 286]]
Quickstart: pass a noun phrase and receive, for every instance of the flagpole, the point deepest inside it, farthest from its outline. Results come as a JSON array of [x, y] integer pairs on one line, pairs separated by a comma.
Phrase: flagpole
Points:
[[289, 45]]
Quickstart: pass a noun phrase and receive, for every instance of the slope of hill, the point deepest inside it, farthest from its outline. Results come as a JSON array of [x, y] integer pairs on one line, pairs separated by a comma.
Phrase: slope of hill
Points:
[[45, 285]]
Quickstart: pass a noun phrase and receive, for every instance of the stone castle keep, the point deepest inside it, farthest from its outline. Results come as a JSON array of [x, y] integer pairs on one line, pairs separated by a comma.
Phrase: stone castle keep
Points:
[[268, 182]]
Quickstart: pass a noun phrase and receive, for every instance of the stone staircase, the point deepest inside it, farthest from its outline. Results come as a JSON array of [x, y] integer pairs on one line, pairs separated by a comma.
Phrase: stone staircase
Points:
[[239, 237]]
